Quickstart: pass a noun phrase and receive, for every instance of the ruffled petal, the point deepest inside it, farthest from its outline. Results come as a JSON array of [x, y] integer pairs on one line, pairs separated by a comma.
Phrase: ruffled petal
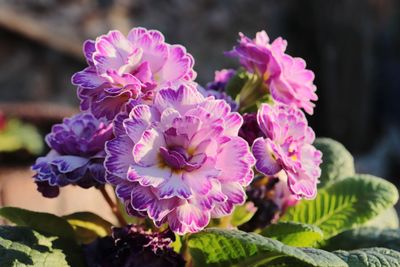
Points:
[[146, 150], [119, 157], [148, 176], [265, 161], [234, 160]]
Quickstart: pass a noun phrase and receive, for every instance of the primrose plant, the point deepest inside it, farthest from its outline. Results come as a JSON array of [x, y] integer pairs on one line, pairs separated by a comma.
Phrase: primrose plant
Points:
[[229, 174]]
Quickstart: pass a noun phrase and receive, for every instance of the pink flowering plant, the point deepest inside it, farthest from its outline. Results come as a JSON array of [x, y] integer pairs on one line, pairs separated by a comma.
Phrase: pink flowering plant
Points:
[[230, 174]]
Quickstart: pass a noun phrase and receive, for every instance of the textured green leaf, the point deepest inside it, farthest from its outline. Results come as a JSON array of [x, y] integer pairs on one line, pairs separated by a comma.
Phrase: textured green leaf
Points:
[[20, 246], [218, 247], [345, 204], [294, 234], [321, 258], [42, 222], [337, 162], [88, 226], [365, 238], [370, 257]]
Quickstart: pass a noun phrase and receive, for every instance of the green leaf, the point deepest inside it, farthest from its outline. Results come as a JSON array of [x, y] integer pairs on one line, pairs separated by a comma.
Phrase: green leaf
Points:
[[386, 219], [294, 234], [42, 222], [337, 162], [365, 238], [177, 244], [371, 257], [20, 246], [345, 204], [321, 258], [218, 247], [242, 214], [88, 226]]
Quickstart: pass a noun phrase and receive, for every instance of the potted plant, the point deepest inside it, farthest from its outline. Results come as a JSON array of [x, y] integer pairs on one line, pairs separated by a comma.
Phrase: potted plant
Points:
[[226, 175]]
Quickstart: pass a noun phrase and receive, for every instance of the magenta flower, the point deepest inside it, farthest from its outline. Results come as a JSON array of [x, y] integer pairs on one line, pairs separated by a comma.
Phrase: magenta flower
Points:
[[221, 79], [125, 68], [76, 157], [288, 147], [285, 77], [180, 161]]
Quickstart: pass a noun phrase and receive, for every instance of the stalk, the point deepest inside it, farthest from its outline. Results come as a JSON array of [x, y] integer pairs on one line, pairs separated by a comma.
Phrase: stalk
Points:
[[113, 206]]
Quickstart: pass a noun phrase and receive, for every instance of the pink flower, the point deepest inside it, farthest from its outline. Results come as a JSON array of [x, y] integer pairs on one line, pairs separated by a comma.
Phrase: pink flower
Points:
[[288, 147], [133, 67], [180, 161], [286, 77]]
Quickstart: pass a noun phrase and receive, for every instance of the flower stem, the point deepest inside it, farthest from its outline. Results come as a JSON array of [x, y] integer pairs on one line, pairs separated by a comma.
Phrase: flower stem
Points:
[[113, 206]]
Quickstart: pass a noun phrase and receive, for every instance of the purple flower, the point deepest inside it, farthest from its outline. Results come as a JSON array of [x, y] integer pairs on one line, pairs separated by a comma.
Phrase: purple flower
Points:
[[250, 130], [180, 161], [221, 79], [76, 156], [218, 86], [286, 77], [133, 67], [288, 147], [134, 247]]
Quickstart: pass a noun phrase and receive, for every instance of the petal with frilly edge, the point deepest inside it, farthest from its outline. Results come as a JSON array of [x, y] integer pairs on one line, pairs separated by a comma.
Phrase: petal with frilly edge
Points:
[[234, 160], [88, 50], [141, 197], [200, 180], [188, 218], [266, 163], [119, 157], [176, 66], [148, 176], [232, 124], [66, 164], [265, 120], [146, 150], [140, 119], [235, 195], [174, 186], [183, 99], [112, 52], [302, 185], [88, 78]]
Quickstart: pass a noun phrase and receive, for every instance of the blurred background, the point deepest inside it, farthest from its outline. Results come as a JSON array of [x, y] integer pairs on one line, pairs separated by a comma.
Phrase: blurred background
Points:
[[352, 46]]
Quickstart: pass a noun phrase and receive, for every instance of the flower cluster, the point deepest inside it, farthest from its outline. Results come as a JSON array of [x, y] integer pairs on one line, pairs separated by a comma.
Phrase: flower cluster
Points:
[[133, 246], [175, 152], [76, 156]]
